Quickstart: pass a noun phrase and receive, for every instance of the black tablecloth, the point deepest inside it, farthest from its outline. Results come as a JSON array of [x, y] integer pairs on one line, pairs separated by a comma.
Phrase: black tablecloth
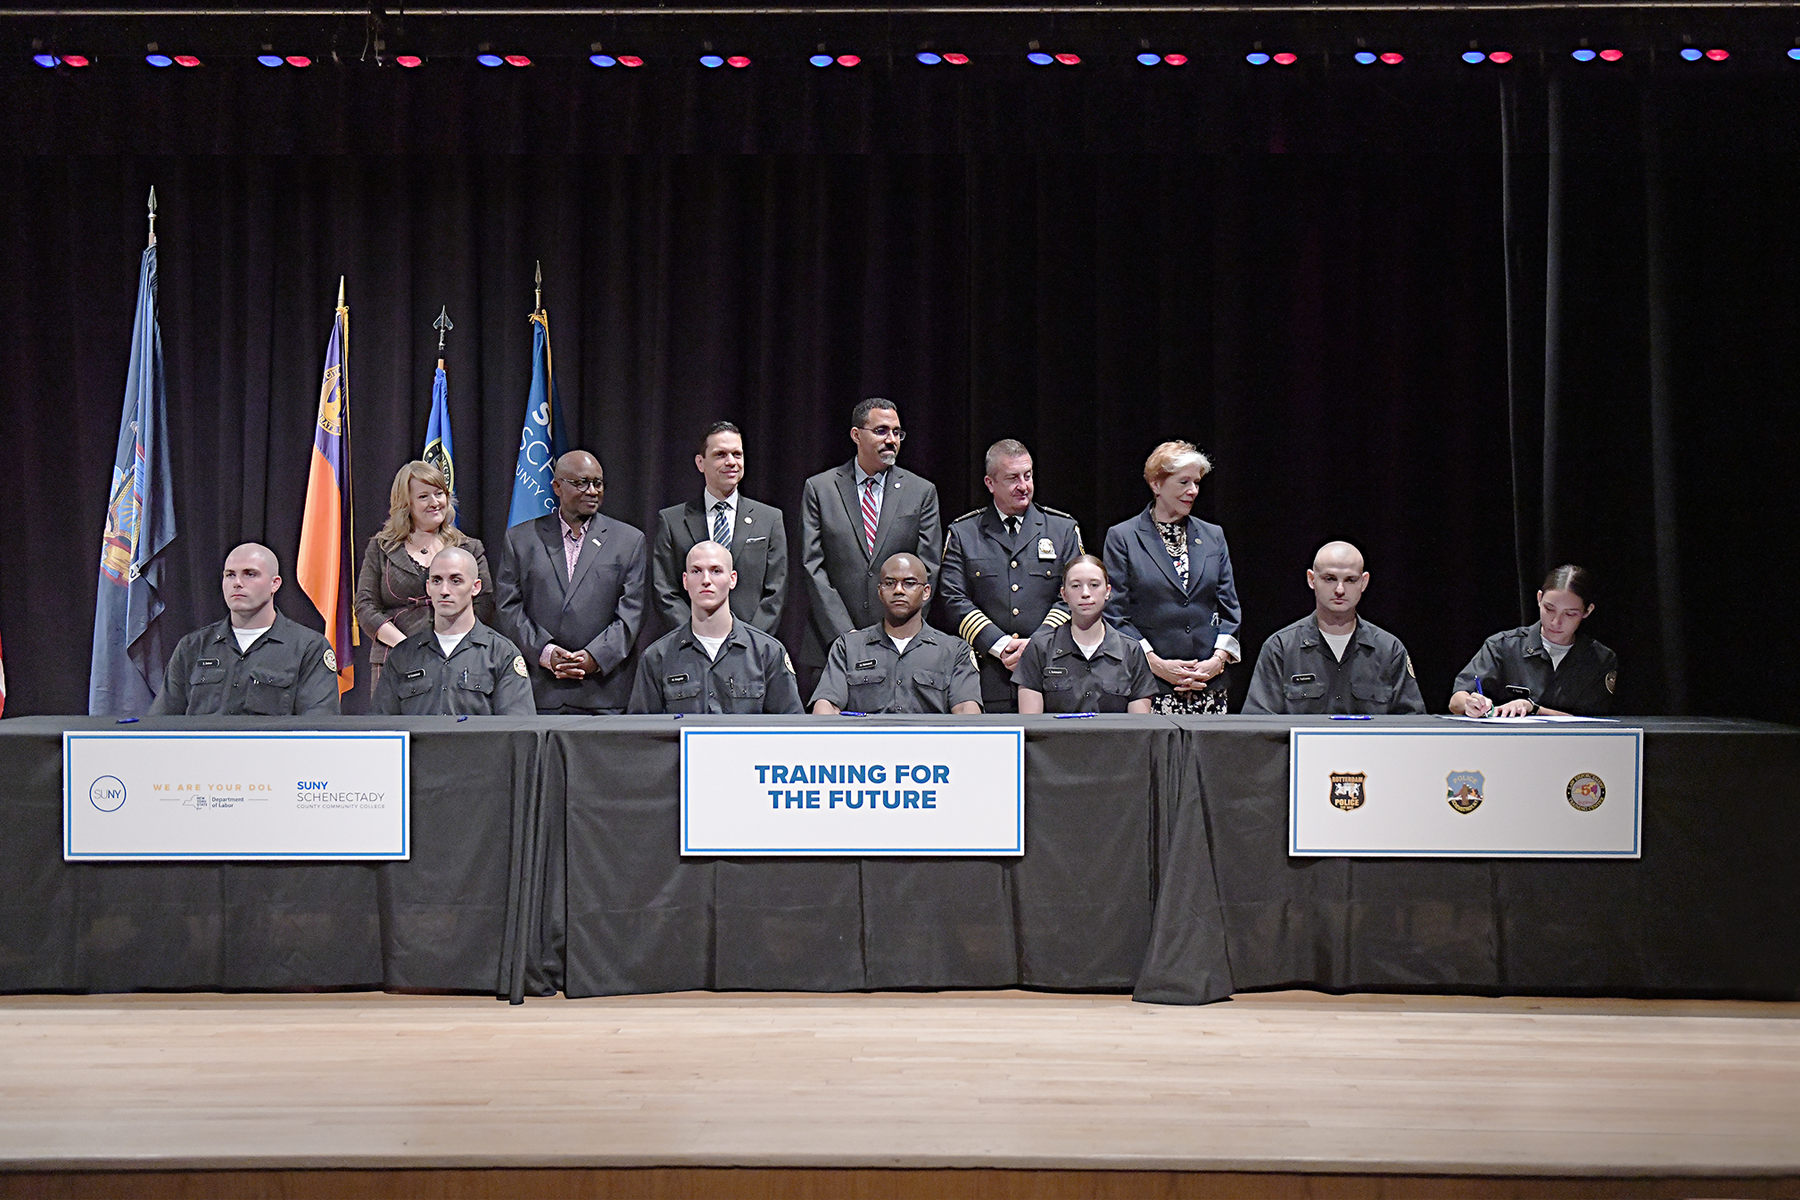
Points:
[[441, 920]]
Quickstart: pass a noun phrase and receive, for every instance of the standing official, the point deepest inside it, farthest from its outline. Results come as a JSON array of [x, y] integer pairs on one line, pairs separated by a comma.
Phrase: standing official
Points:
[[1332, 661], [750, 529], [901, 665], [715, 663], [571, 592], [1003, 570], [459, 666], [856, 516], [255, 661]]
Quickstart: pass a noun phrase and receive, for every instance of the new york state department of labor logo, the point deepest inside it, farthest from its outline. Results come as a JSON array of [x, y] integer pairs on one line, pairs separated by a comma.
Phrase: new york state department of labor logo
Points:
[[1464, 788], [1586, 792], [1347, 790]]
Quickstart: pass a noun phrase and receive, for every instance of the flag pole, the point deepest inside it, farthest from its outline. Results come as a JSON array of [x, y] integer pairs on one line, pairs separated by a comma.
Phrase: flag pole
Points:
[[349, 553], [152, 214]]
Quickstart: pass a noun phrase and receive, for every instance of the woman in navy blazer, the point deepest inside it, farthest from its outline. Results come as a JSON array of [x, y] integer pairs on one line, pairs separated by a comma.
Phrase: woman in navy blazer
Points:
[[1172, 585]]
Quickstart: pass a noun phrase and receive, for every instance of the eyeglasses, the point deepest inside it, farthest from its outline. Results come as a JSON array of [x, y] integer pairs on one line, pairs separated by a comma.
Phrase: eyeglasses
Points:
[[586, 485], [911, 585], [882, 431]]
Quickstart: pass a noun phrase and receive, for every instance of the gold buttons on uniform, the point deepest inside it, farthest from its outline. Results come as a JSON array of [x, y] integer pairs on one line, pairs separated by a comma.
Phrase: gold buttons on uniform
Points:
[[1015, 587], [1015, 612], [1013, 564]]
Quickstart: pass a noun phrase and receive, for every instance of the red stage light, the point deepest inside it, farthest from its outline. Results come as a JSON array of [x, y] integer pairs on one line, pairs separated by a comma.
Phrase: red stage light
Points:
[[1175, 60], [186, 60], [630, 60], [1393, 59], [298, 60], [1500, 56], [1069, 60], [408, 60], [1718, 55], [1286, 59], [957, 60], [1611, 55], [847, 60], [738, 60], [517, 60], [74, 60]]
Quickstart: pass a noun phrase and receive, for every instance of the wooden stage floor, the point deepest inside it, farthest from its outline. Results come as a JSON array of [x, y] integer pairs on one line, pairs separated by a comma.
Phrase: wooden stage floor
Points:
[[1590, 1097]]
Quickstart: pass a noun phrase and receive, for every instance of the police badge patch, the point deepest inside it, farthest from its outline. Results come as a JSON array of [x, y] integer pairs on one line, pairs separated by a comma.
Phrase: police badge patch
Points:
[[1586, 792], [519, 667], [1464, 789], [1347, 790], [330, 661], [1612, 682], [1046, 550]]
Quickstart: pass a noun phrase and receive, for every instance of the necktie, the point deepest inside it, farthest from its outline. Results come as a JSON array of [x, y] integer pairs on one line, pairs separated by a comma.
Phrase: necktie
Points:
[[1012, 527], [870, 517], [722, 524]]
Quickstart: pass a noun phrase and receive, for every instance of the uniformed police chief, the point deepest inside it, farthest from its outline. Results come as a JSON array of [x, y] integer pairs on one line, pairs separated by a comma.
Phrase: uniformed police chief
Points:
[[1333, 661], [255, 661], [1002, 571], [715, 663], [901, 665], [458, 667]]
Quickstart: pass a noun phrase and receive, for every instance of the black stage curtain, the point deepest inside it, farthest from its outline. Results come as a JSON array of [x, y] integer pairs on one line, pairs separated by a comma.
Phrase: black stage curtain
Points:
[[1537, 326]]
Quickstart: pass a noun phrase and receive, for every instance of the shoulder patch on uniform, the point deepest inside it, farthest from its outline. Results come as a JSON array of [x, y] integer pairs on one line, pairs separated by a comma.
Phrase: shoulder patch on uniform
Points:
[[1612, 682], [1409, 669], [973, 512], [519, 667], [972, 660], [330, 661], [787, 662]]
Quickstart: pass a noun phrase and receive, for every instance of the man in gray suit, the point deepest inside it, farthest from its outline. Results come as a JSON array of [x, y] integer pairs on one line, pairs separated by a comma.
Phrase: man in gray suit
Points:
[[751, 530], [856, 517], [571, 595]]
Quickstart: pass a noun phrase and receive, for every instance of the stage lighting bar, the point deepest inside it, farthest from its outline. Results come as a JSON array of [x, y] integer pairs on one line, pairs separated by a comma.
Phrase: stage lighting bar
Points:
[[1714, 55], [823, 59], [1498, 57]]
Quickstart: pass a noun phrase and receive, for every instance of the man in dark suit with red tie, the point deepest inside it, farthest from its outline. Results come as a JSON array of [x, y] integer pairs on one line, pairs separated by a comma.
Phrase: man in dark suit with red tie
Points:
[[750, 529], [571, 595], [854, 518]]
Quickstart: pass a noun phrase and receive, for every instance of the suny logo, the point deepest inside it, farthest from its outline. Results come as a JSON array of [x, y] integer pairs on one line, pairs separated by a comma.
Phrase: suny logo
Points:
[[107, 793]]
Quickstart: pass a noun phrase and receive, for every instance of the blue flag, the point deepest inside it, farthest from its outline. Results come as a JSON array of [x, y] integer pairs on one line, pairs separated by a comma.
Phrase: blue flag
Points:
[[127, 667], [543, 441], [439, 451]]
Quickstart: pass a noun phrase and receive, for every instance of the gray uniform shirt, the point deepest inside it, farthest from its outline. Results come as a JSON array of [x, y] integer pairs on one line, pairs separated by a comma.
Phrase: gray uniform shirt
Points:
[[283, 674], [484, 676], [751, 675], [864, 673], [1073, 683], [1296, 674]]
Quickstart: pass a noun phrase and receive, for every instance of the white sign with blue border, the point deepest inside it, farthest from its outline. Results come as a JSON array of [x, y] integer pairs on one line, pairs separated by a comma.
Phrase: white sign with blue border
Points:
[[293, 795], [853, 792], [1499, 792]]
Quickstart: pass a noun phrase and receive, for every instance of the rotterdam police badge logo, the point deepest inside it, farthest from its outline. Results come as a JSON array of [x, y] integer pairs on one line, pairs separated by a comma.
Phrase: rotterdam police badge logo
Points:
[[1464, 788], [1347, 790]]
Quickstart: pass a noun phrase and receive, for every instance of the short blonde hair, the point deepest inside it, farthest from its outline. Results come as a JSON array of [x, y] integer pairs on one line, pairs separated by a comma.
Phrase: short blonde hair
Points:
[[399, 523], [1171, 457]]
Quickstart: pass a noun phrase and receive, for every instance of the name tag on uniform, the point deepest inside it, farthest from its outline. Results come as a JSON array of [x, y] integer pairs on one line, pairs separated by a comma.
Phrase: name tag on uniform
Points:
[[1056, 670], [209, 662], [1046, 550], [674, 678], [1303, 679], [414, 674], [864, 665]]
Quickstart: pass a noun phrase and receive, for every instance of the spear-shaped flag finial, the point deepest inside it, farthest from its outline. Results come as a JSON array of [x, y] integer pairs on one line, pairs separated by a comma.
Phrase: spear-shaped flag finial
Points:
[[153, 214]]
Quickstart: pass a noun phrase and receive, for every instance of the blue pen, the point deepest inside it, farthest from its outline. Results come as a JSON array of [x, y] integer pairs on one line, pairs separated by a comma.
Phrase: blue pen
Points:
[[844, 712], [1350, 717], [127, 720], [1072, 716], [1479, 692]]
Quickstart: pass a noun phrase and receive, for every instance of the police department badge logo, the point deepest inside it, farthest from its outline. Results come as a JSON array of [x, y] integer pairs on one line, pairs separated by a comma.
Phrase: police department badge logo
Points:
[[787, 662], [519, 666], [330, 660], [1347, 790], [1586, 792], [1464, 788], [1612, 682]]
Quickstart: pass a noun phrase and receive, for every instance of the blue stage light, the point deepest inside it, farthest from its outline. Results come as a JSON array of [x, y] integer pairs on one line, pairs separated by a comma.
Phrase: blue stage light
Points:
[[927, 58], [1149, 59], [1366, 57], [1794, 54], [1038, 58], [1582, 55], [1691, 54], [1256, 58], [820, 60], [603, 60], [490, 60], [45, 60], [159, 60], [711, 60], [1473, 56], [269, 60]]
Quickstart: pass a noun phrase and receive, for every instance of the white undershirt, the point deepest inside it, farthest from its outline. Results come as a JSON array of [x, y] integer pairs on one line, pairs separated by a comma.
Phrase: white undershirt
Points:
[[1338, 642], [1556, 652], [900, 644], [1088, 652], [448, 642], [246, 638], [711, 645]]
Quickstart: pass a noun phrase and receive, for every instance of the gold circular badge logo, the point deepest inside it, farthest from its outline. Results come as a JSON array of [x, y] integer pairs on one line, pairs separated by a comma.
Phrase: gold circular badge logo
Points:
[[1586, 792]]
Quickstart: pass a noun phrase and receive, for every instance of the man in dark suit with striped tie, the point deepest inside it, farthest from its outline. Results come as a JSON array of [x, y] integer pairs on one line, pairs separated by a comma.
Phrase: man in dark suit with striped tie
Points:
[[750, 529], [855, 517]]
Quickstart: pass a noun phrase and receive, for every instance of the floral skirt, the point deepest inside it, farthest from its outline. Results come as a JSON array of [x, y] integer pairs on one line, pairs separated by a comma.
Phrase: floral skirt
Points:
[[1188, 704]]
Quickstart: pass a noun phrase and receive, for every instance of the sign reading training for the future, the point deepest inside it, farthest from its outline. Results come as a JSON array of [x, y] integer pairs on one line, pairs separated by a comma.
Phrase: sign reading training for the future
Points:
[[145, 796], [862, 792], [1496, 792]]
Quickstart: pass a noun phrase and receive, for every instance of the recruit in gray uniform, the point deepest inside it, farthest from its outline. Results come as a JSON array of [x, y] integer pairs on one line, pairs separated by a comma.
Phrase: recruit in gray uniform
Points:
[[901, 665], [256, 661], [1332, 661], [1002, 571], [715, 663], [458, 667]]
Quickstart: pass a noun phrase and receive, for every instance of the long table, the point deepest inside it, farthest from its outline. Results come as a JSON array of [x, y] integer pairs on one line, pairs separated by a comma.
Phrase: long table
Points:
[[544, 859]]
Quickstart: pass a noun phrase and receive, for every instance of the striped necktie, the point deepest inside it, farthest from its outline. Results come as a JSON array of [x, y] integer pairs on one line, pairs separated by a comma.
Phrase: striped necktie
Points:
[[870, 517], [722, 524]]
